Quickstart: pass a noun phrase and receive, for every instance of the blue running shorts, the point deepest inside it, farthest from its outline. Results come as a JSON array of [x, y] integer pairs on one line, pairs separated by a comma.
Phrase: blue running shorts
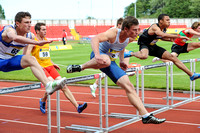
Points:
[[12, 64], [114, 72]]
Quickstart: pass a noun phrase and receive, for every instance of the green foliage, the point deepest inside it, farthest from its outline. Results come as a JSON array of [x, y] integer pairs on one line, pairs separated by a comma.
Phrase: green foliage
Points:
[[2, 13], [174, 8]]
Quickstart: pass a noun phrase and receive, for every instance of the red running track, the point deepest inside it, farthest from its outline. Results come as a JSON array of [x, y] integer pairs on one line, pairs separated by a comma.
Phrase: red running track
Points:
[[19, 112]]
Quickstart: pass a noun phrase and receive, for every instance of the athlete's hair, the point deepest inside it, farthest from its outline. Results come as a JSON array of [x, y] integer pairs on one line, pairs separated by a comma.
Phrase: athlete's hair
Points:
[[161, 16], [195, 25], [119, 21], [38, 26], [20, 15], [129, 21]]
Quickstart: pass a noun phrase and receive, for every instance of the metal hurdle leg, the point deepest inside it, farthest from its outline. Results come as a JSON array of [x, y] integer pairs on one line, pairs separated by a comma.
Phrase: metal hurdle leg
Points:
[[82, 128], [58, 110], [100, 105], [49, 113], [194, 69], [106, 102]]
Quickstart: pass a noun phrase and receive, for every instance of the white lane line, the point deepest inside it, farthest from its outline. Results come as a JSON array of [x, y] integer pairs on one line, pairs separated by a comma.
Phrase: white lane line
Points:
[[70, 112], [28, 123], [183, 123]]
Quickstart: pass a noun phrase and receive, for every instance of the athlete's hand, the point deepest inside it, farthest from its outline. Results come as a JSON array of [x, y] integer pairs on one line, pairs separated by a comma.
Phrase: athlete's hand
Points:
[[56, 67], [99, 59], [41, 43], [123, 66]]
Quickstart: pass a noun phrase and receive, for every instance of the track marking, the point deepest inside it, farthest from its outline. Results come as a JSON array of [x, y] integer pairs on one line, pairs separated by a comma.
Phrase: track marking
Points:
[[183, 123], [28, 123]]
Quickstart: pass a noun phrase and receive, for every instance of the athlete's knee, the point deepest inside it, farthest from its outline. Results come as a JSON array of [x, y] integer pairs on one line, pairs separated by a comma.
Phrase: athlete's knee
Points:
[[107, 61]]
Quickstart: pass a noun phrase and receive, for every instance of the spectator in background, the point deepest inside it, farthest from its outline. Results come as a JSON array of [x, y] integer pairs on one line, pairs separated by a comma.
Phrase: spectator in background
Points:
[[64, 37], [41, 53]]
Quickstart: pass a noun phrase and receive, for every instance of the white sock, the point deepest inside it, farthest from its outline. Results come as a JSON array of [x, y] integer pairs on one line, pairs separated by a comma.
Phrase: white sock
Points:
[[81, 67], [146, 115], [95, 85]]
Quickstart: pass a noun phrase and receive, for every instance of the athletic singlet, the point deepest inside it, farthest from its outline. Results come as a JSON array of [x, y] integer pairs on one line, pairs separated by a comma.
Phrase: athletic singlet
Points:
[[8, 50], [113, 49], [145, 38], [41, 53], [180, 41]]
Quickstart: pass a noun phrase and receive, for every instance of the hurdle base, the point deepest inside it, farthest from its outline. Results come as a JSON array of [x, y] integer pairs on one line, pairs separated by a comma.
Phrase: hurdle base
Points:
[[82, 128], [177, 98], [154, 106], [122, 116]]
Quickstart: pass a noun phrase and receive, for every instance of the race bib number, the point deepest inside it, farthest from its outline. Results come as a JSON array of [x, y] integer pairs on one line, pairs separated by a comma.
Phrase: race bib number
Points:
[[13, 50], [113, 54], [44, 54]]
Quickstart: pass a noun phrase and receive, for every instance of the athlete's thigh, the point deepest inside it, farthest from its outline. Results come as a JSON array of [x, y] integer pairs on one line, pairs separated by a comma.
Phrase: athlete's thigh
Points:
[[114, 72]]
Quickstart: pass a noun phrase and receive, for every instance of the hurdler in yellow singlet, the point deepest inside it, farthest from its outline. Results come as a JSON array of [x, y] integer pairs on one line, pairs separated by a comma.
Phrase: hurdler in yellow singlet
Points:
[[42, 54]]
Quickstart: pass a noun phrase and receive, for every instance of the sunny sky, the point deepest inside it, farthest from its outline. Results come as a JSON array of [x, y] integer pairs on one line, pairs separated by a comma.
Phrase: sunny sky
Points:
[[66, 9]]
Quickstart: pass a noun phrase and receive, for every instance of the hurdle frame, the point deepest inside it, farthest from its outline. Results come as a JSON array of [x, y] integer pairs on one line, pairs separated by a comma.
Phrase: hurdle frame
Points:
[[134, 118]]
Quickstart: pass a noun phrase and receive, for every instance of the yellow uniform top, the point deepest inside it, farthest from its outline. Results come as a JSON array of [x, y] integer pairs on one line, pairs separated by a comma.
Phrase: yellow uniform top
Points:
[[42, 54]]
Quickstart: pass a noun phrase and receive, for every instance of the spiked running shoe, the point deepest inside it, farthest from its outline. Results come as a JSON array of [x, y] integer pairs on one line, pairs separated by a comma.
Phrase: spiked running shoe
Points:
[[92, 89], [55, 85], [42, 106], [152, 120], [195, 76], [73, 68], [81, 107]]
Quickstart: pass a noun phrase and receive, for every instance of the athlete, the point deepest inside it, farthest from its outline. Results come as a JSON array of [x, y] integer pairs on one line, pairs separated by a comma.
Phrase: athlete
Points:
[[148, 39], [41, 53], [12, 40], [180, 45], [107, 46], [127, 55]]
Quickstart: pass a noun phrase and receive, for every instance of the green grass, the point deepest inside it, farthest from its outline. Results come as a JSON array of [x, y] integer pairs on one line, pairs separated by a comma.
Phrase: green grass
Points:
[[81, 53]]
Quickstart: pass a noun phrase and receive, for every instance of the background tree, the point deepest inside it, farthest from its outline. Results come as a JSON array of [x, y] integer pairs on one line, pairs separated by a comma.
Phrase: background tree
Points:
[[174, 8], [2, 13]]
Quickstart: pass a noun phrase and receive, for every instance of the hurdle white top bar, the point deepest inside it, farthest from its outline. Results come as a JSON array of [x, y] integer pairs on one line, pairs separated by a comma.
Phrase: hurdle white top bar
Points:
[[20, 88], [81, 78], [158, 65]]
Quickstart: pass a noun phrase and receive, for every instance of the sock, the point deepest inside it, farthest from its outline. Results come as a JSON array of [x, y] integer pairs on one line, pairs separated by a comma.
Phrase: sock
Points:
[[146, 115], [95, 85], [81, 67]]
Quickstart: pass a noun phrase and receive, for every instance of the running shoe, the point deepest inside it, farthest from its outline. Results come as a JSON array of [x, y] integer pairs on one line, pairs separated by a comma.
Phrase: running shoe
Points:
[[55, 85], [81, 107], [155, 59], [42, 106], [92, 89], [195, 76], [73, 68], [152, 120]]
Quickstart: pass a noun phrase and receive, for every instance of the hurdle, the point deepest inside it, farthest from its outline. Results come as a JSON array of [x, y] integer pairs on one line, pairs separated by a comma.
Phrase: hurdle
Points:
[[135, 118]]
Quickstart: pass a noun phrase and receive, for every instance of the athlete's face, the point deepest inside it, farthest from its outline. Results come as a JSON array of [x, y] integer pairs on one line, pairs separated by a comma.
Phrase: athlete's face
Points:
[[198, 29], [25, 25], [133, 31], [42, 31], [165, 21]]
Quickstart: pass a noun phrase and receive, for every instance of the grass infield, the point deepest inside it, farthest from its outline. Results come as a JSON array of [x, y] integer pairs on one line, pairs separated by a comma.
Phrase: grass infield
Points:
[[80, 53]]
